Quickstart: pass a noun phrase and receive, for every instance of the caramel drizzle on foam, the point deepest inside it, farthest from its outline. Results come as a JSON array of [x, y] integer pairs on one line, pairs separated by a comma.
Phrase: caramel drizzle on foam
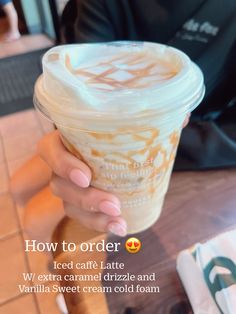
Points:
[[128, 159], [129, 60]]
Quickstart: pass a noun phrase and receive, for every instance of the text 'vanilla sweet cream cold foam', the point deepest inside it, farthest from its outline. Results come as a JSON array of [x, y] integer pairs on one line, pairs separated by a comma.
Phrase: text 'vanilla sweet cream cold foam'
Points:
[[120, 108]]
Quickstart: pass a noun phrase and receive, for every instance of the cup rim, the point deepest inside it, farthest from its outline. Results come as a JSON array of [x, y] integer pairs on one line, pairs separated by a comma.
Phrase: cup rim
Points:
[[184, 102]]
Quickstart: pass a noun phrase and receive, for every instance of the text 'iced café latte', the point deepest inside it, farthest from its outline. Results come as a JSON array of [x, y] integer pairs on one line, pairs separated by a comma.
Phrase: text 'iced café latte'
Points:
[[120, 108]]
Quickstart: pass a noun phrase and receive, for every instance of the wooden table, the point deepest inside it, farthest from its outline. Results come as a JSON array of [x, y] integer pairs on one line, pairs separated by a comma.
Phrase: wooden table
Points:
[[198, 206]]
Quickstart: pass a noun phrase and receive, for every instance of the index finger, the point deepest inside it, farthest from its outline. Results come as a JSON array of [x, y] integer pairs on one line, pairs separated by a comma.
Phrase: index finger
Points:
[[62, 162]]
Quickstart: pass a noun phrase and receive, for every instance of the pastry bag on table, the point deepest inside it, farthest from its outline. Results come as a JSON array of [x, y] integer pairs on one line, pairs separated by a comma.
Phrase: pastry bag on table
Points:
[[208, 274]]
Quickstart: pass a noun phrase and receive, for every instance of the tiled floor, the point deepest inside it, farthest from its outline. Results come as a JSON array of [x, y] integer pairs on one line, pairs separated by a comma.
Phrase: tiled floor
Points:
[[21, 45], [19, 133], [24, 44]]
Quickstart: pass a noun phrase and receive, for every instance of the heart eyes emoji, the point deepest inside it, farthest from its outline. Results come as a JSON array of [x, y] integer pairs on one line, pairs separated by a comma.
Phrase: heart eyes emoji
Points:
[[133, 245]]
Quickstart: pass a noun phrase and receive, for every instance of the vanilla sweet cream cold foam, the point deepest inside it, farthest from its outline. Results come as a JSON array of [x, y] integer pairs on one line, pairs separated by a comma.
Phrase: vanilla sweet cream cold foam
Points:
[[120, 108]]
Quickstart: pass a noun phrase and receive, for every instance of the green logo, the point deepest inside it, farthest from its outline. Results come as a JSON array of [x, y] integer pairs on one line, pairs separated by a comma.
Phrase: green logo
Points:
[[221, 281]]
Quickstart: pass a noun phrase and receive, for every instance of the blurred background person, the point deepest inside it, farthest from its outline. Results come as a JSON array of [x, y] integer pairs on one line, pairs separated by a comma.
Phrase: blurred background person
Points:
[[12, 18], [209, 39]]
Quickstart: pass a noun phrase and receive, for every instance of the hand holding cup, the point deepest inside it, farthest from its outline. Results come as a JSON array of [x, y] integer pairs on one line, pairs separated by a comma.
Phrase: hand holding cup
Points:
[[96, 209]]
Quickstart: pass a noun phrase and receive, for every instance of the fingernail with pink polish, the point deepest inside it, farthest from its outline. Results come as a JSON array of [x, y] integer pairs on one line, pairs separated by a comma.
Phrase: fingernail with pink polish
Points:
[[117, 229], [79, 178], [109, 208]]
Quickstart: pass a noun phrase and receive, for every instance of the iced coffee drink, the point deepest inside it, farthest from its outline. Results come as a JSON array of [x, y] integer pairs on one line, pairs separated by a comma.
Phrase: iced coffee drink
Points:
[[120, 108]]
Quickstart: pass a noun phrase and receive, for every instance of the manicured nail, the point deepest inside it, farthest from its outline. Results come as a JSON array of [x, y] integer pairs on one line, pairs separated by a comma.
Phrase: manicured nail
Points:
[[79, 178], [117, 229], [109, 208]]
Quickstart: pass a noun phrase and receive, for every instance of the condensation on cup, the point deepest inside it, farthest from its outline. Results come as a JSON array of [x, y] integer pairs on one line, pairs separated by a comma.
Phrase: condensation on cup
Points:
[[120, 108]]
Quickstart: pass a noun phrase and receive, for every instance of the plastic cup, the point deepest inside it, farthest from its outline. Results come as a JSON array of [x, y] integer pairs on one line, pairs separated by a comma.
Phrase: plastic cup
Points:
[[126, 129]]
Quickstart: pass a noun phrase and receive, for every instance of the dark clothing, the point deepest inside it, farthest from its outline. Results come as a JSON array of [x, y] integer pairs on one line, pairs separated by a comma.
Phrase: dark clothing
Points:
[[152, 20], [206, 31], [192, 26]]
